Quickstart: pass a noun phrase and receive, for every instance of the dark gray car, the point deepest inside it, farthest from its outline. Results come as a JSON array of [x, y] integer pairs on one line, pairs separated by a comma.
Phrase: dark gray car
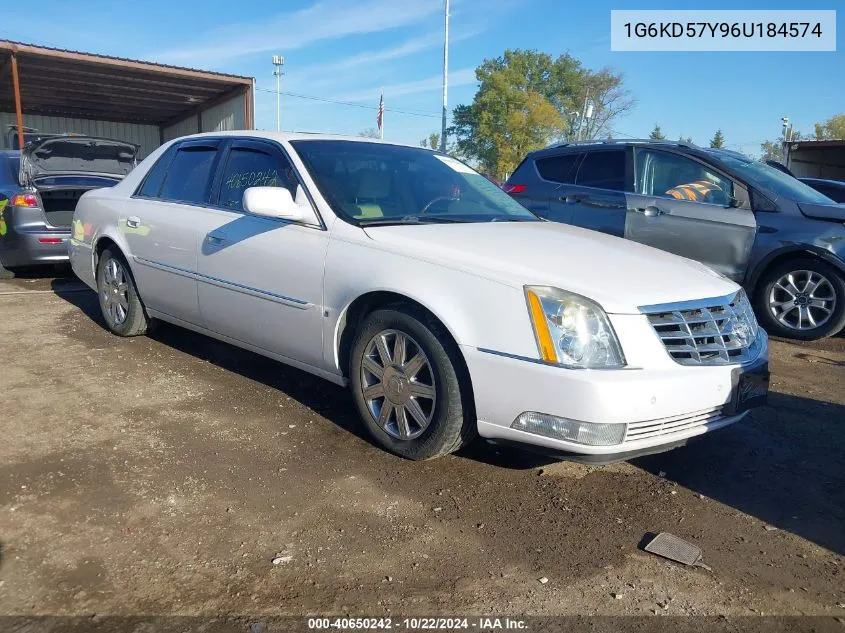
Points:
[[783, 240], [39, 189]]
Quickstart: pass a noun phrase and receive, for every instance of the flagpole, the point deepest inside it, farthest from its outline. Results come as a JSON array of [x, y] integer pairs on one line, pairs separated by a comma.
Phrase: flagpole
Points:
[[445, 77], [381, 129]]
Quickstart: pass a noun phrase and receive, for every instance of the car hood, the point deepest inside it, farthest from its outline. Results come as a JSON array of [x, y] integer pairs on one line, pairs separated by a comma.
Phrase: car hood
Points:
[[618, 274], [832, 211], [76, 155]]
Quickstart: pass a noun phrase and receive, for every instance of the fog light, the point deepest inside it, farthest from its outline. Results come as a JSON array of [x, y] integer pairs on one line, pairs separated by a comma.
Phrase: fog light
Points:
[[570, 430]]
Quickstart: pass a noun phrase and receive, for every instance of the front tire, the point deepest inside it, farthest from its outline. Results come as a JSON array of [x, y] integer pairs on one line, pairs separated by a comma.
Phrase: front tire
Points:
[[119, 301], [801, 299], [410, 384]]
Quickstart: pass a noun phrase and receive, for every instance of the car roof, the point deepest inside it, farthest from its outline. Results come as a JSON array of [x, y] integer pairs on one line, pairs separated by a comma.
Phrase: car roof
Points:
[[299, 136], [598, 145]]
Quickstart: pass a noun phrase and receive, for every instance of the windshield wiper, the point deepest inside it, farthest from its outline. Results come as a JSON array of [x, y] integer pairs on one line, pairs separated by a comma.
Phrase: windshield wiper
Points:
[[413, 219]]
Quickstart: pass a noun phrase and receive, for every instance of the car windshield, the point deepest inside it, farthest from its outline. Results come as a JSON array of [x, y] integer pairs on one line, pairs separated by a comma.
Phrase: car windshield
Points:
[[773, 180], [376, 183]]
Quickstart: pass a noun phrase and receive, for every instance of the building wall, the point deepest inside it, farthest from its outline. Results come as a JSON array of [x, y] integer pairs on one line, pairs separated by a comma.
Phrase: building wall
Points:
[[228, 115], [818, 162], [147, 136]]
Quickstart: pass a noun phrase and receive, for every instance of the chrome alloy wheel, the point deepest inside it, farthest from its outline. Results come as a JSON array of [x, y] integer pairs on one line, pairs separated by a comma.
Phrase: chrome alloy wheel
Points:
[[802, 300], [397, 384], [114, 293]]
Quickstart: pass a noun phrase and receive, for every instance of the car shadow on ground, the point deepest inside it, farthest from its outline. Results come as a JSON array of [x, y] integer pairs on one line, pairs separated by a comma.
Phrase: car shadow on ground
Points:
[[59, 271], [783, 464]]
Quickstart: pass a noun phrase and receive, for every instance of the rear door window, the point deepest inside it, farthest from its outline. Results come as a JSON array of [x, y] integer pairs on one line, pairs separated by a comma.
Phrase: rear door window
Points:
[[249, 166], [9, 168], [187, 177], [559, 169], [603, 170], [151, 186]]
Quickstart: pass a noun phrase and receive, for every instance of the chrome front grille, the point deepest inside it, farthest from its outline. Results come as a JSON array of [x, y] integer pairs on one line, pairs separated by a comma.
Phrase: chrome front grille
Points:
[[664, 426], [719, 331]]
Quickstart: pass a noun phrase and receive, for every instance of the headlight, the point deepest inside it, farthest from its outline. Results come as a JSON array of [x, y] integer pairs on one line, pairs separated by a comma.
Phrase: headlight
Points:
[[571, 330]]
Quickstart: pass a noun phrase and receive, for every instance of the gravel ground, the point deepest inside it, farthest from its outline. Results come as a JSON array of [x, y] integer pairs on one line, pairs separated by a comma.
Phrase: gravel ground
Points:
[[178, 475]]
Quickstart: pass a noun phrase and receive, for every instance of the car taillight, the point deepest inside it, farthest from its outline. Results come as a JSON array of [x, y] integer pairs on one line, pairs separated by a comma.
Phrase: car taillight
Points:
[[509, 188], [24, 200]]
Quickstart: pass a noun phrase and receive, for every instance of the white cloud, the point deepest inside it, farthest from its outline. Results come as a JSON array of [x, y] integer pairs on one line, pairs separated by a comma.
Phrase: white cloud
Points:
[[325, 20], [407, 48], [435, 82]]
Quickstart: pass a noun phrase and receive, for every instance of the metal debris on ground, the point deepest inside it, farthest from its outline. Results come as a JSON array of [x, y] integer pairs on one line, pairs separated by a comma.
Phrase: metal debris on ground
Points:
[[674, 548], [543, 580]]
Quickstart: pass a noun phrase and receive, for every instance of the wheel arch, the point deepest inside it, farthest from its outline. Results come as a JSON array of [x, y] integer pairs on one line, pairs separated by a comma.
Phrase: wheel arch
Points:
[[104, 240], [775, 258], [366, 303]]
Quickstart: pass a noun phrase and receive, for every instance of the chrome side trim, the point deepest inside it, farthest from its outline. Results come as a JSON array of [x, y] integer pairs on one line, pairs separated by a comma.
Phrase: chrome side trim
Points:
[[537, 361], [494, 352], [231, 285]]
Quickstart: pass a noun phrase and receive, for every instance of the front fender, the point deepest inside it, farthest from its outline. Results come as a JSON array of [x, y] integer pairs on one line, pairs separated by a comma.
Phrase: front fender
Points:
[[477, 311]]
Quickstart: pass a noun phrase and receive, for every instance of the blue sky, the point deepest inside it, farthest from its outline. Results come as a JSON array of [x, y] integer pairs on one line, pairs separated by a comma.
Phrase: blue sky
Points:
[[347, 50]]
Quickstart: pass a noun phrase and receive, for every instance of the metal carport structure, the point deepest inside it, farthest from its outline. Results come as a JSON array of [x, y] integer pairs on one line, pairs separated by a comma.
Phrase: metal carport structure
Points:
[[63, 91]]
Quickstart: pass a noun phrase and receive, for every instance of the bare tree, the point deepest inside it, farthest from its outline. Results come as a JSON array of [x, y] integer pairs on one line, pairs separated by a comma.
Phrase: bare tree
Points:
[[610, 101], [370, 132]]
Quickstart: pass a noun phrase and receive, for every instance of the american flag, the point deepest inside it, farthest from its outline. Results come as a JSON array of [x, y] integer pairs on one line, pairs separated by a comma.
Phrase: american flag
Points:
[[380, 115]]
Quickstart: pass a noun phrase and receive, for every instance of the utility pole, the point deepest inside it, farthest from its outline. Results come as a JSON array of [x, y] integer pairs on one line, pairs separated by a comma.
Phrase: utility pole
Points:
[[787, 137], [278, 62], [583, 114], [445, 78]]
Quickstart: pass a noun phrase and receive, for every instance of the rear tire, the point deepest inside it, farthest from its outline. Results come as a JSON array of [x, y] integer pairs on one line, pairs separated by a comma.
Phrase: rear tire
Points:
[[802, 299], [410, 384], [119, 301]]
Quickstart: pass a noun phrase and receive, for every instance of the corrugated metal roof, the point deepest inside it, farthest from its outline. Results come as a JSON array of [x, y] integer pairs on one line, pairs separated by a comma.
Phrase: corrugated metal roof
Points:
[[63, 83], [10, 44]]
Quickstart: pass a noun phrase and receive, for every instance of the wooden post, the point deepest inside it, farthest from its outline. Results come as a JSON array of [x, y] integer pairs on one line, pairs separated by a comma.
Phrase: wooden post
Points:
[[16, 86]]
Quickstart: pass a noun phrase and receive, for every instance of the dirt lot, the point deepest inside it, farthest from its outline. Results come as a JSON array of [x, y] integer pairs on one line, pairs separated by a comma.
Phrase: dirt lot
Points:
[[163, 475]]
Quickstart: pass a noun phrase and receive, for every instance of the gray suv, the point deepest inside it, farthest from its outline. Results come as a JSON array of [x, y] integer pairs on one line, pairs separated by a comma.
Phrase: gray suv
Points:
[[784, 241]]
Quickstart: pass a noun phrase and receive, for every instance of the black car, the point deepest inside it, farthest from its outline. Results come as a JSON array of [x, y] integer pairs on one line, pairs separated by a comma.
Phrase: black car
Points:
[[39, 189], [783, 240], [833, 189]]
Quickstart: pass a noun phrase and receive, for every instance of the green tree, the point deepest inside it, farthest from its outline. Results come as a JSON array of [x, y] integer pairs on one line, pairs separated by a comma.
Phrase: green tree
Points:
[[718, 140], [773, 150], [833, 128], [657, 134], [432, 141], [526, 100], [370, 132]]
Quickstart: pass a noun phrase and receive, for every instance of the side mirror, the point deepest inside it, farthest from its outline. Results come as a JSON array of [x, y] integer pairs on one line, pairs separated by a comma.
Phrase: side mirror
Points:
[[276, 202]]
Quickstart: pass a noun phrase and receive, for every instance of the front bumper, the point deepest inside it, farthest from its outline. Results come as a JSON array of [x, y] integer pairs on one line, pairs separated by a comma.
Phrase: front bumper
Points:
[[661, 407], [31, 246]]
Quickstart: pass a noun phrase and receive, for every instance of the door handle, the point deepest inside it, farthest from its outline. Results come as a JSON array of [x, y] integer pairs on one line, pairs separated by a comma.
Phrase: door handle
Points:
[[650, 211], [133, 222], [573, 198]]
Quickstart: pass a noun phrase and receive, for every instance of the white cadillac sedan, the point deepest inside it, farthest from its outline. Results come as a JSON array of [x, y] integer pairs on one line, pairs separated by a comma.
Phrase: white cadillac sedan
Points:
[[449, 309]]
